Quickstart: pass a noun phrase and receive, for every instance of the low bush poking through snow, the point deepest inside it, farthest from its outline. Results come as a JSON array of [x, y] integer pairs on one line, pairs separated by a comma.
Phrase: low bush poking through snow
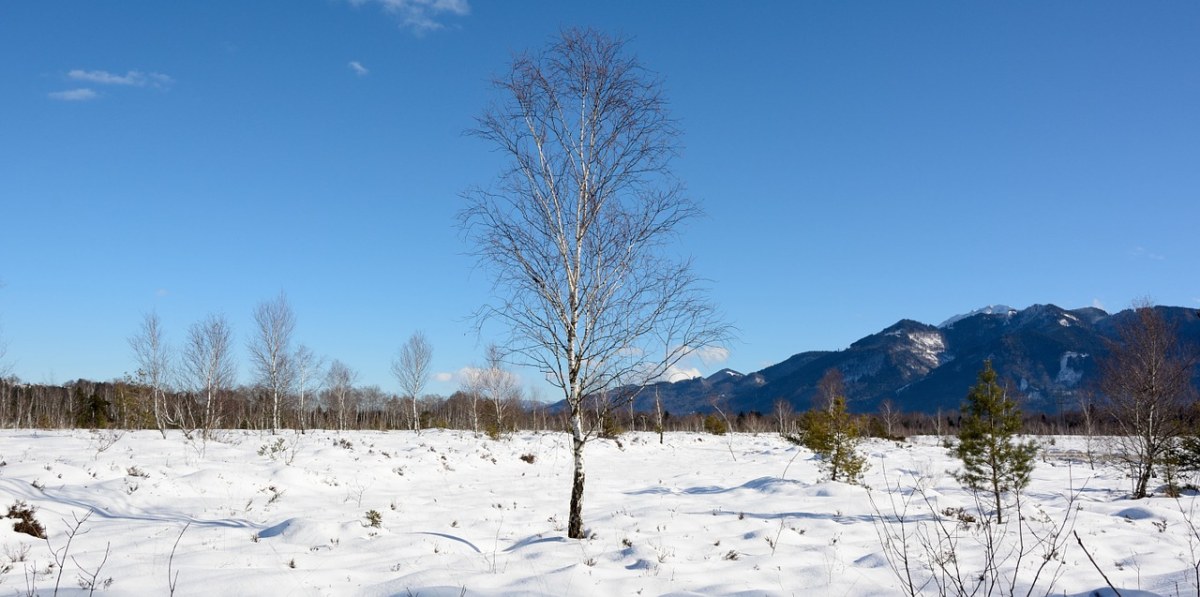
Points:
[[374, 519], [25, 522]]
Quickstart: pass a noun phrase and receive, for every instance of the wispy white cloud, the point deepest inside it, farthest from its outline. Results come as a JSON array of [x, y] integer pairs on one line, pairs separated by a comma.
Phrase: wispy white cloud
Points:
[[678, 373], [421, 16], [358, 68], [1097, 303], [1148, 254], [467, 376], [133, 78], [82, 94], [502, 376], [712, 355], [694, 364]]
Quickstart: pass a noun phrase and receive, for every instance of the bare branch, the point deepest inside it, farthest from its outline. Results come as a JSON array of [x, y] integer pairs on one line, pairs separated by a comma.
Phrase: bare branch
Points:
[[1094, 564]]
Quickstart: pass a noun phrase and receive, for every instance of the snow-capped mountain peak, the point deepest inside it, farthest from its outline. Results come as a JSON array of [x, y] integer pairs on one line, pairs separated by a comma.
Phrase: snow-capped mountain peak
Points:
[[724, 374], [988, 310]]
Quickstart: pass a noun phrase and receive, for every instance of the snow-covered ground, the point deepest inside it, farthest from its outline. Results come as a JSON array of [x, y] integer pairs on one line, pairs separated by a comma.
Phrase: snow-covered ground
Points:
[[701, 514]]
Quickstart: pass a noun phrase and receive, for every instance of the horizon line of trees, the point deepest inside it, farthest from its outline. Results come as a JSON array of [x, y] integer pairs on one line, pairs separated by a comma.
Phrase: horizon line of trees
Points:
[[130, 404]]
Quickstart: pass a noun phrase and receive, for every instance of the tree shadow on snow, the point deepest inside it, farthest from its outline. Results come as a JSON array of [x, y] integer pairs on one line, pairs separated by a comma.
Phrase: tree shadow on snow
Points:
[[765, 484], [834, 517], [23, 491], [534, 540]]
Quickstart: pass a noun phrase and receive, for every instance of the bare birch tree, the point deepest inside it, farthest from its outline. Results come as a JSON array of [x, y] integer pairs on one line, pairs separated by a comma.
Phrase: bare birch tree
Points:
[[5, 367], [153, 359], [1086, 401], [785, 417], [412, 369], [339, 382], [831, 385], [209, 367], [1146, 378], [577, 230], [660, 422], [471, 385], [889, 414], [270, 351], [498, 385], [307, 367]]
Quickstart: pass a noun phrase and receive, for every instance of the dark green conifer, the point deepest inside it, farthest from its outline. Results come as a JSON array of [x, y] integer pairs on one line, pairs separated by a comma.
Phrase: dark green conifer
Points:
[[834, 434], [994, 462]]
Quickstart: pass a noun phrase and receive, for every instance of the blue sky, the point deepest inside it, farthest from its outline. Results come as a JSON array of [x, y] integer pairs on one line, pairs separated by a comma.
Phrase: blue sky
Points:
[[859, 163]]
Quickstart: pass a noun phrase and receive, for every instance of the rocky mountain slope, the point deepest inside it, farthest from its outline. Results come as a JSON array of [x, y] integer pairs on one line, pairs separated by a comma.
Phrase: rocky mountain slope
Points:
[[1048, 353]]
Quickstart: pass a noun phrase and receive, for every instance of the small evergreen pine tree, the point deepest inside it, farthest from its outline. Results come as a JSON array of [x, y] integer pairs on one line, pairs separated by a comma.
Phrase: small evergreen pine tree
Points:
[[834, 434], [993, 461], [715, 425]]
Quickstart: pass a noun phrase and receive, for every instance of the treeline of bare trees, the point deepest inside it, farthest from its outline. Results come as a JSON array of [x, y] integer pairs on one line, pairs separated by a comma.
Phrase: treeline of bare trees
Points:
[[490, 403], [193, 385], [130, 404]]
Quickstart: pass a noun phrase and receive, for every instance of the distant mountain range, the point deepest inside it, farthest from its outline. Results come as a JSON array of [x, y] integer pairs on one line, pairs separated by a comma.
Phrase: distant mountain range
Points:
[[1047, 353]]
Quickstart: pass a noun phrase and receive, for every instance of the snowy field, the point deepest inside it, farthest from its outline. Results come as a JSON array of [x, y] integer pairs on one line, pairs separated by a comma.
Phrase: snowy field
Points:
[[701, 514]]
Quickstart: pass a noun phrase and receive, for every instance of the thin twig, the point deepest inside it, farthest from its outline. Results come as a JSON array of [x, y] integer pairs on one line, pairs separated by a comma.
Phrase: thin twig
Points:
[[61, 560], [1094, 565], [173, 577], [90, 580], [789, 464]]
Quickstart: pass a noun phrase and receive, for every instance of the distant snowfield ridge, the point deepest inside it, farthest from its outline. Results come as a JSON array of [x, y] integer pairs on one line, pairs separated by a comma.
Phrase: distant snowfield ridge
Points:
[[287, 514]]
